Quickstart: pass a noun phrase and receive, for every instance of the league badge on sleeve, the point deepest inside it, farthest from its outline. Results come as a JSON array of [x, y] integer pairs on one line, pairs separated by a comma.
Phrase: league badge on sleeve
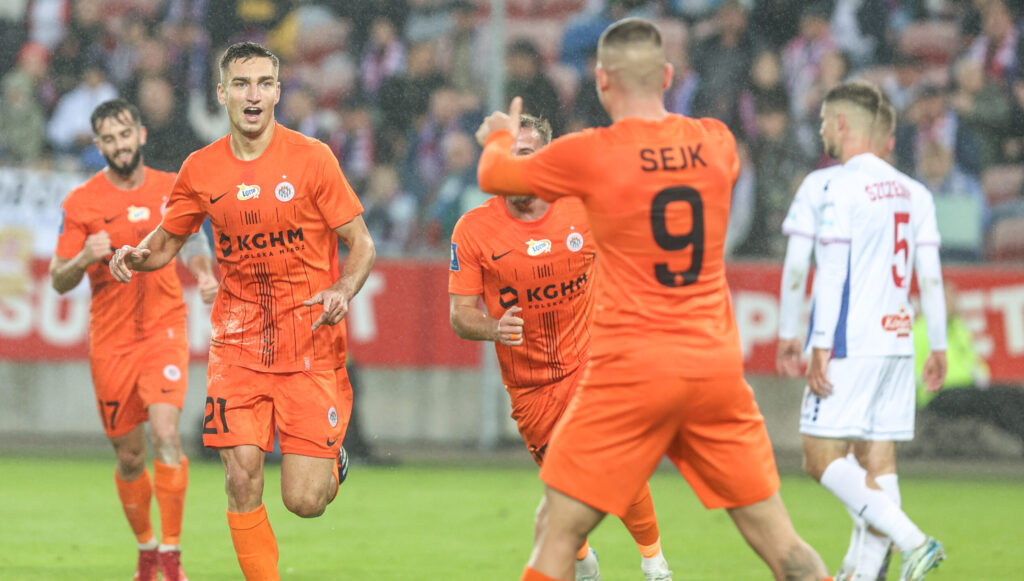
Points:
[[455, 257]]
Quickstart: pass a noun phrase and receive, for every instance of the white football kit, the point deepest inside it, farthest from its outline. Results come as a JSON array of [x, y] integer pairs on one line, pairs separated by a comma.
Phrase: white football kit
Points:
[[874, 225]]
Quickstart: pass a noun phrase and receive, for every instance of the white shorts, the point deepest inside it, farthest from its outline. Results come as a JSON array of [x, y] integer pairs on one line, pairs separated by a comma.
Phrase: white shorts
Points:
[[873, 398]]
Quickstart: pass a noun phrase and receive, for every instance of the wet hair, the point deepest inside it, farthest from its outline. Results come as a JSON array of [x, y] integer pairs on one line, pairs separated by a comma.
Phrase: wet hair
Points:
[[539, 124], [243, 51], [114, 109]]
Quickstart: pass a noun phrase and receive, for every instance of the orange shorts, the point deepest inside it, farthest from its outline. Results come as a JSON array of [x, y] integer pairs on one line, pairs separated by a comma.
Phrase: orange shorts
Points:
[[126, 384], [308, 410], [613, 436], [537, 409]]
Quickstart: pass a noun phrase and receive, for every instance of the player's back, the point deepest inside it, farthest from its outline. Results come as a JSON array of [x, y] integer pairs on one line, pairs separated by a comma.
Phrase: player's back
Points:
[[657, 195], [870, 205]]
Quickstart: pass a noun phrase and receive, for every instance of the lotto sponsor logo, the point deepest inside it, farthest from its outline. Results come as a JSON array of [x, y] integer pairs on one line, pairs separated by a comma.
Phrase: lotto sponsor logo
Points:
[[246, 192], [538, 247], [282, 241], [138, 213]]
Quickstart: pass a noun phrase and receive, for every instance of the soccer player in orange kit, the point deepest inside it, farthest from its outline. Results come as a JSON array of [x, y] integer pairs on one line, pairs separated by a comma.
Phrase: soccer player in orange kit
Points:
[[278, 202], [138, 344], [532, 262], [666, 371]]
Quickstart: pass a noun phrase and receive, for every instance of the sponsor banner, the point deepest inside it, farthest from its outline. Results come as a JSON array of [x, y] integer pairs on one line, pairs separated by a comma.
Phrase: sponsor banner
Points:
[[400, 318]]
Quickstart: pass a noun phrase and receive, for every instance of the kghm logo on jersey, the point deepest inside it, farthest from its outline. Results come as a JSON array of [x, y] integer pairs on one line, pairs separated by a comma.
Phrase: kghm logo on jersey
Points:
[[900, 323], [574, 242], [248, 192], [538, 247], [138, 213], [284, 191]]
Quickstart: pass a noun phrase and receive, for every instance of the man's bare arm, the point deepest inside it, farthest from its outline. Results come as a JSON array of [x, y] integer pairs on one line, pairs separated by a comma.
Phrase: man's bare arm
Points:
[[361, 255], [66, 273], [154, 252], [470, 322]]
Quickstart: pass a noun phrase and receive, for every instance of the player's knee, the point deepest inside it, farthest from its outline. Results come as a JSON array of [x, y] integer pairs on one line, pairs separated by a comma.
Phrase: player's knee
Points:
[[131, 462], [813, 469], [164, 435], [306, 503], [242, 484]]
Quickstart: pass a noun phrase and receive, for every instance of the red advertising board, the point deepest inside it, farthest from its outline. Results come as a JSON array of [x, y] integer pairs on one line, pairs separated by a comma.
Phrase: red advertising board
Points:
[[401, 317]]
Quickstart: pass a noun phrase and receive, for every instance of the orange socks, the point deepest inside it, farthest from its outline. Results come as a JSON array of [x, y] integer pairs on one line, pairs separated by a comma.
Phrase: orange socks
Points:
[[643, 523], [534, 575], [135, 497], [255, 545], [171, 482]]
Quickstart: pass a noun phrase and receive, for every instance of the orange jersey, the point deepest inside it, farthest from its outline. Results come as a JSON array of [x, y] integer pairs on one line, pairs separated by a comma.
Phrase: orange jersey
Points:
[[273, 220], [657, 196], [121, 315], [546, 267]]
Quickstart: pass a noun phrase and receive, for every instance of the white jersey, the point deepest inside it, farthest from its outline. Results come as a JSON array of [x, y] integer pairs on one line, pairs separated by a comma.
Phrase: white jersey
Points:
[[805, 211], [882, 217]]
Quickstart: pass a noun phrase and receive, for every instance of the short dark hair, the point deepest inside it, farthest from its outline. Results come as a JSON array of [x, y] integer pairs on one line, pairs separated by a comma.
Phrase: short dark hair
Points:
[[541, 125], [861, 94], [886, 119], [114, 109], [631, 30], [243, 51]]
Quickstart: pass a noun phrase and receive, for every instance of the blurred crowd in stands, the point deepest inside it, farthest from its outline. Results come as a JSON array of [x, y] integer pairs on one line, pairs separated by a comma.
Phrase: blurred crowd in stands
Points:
[[397, 87]]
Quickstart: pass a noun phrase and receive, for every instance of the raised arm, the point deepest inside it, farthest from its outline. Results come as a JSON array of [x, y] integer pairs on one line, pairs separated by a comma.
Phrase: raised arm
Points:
[[470, 322], [361, 255], [154, 252]]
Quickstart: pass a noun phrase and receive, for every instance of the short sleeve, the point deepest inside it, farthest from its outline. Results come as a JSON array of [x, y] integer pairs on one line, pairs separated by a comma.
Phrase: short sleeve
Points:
[[72, 232], [335, 199], [185, 213], [925, 226], [465, 276], [802, 219], [557, 169]]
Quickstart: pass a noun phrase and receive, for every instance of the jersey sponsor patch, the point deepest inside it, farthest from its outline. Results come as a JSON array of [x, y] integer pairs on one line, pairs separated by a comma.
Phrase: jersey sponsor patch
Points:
[[538, 247], [284, 191], [246, 192], [455, 257], [900, 323], [138, 213]]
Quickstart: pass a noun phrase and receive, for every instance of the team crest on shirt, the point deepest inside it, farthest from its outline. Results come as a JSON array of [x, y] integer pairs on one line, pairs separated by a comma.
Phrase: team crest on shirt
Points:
[[138, 213], [900, 323], [248, 192], [332, 417], [538, 247], [574, 242], [284, 191]]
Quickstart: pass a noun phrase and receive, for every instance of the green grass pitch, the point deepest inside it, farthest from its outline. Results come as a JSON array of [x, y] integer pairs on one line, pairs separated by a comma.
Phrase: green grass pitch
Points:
[[60, 519]]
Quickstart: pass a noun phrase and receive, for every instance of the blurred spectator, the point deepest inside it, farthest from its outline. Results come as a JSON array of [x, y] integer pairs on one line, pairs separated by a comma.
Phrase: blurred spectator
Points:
[[299, 111], [985, 108], [860, 28], [960, 206], [383, 56], [361, 13], [22, 121], [1013, 148], [229, 21], [526, 78], [462, 46], [764, 82], [723, 60], [401, 99], [778, 168], [931, 119], [69, 130], [206, 116], [458, 192], [903, 84], [83, 44], [33, 64], [803, 56], [588, 111], [998, 48], [807, 108], [13, 33], [776, 22], [389, 211], [354, 141], [169, 138], [427, 148], [152, 59], [966, 391]]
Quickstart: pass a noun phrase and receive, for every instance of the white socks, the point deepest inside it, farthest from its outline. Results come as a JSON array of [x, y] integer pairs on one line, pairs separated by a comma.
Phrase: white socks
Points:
[[655, 563], [846, 480]]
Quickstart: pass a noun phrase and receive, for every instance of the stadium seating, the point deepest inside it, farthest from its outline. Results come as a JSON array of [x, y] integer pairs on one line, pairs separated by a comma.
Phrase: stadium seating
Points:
[[1002, 183]]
